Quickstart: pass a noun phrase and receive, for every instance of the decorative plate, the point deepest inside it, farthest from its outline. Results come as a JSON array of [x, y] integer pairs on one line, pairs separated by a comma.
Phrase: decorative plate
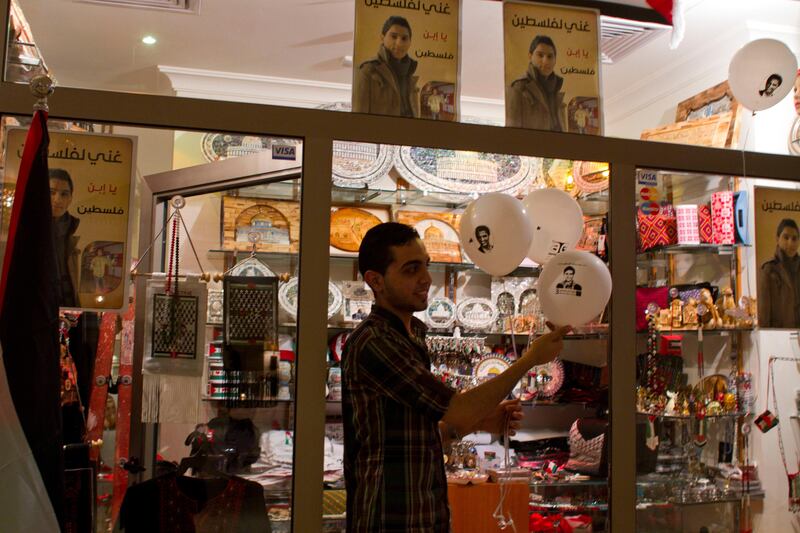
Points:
[[287, 297], [441, 313], [359, 164], [220, 146], [215, 305], [476, 313], [251, 268], [491, 366], [438, 170], [547, 379], [590, 177], [348, 227]]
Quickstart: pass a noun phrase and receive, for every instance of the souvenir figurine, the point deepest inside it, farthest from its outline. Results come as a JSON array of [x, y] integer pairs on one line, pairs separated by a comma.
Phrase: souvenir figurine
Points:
[[676, 310], [670, 407], [711, 319], [690, 313], [664, 319], [729, 402], [724, 306]]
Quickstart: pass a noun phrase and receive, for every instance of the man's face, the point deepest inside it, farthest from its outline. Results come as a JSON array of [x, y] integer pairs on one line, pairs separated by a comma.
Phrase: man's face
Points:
[[543, 57], [397, 40], [406, 283], [772, 85], [483, 238], [60, 197], [568, 275], [788, 241]]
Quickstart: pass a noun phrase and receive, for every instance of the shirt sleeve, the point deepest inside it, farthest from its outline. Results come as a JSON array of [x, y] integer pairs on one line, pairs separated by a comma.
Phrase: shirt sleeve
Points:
[[401, 377]]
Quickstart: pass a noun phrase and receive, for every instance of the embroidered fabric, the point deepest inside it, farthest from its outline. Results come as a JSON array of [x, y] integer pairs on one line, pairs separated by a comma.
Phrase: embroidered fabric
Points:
[[585, 456]]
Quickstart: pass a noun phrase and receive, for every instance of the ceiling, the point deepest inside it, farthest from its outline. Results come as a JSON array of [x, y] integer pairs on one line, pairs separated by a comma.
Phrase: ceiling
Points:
[[91, 45], [88, 44]]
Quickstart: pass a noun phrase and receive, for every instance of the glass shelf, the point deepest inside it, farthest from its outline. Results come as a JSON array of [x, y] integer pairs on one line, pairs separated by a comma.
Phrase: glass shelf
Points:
[[667, 504], [599, 507], [721, 249], [722, 332], [689, 417], [570, 483], [525, 270]]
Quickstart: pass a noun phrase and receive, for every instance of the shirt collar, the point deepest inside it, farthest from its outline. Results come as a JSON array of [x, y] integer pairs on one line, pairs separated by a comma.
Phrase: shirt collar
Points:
[[394, 321]]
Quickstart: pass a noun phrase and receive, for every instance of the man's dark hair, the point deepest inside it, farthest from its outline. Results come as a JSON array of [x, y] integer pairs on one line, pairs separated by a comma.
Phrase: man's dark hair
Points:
[[396, 21], [570, 269], [774, 77], [375, 252], [786, 223], [63, 175], [542, 39], [482, 228]]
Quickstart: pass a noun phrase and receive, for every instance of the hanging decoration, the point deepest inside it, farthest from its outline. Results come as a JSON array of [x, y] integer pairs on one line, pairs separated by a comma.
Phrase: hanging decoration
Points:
[[174, 334], [674, 13]]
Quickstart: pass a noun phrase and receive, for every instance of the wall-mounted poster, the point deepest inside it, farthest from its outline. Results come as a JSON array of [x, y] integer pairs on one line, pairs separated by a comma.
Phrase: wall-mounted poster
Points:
[[777, 215], [91, 177], [552, 68], [439, 232], [277, 222], [406, 59]]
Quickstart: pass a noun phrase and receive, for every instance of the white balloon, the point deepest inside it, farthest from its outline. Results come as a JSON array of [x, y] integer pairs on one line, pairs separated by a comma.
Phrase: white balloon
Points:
[[574, 288], [495, 233], [762, 73], [556, 220]]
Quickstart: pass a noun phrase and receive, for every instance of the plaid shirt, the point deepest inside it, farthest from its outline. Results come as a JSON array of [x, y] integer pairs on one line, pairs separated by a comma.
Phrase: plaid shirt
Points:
[[393, 459]]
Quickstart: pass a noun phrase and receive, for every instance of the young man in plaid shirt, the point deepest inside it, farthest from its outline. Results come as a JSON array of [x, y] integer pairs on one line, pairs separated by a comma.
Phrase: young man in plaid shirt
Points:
[[396, 413]]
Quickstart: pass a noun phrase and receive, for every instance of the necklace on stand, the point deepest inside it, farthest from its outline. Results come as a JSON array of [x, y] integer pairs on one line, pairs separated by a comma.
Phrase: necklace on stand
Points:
[[764, 421]]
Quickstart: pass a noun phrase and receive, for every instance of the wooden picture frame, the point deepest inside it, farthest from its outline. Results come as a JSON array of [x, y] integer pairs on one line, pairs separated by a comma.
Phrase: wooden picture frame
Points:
[[709, 118], [278, 221], [439, 232], [349, 224]]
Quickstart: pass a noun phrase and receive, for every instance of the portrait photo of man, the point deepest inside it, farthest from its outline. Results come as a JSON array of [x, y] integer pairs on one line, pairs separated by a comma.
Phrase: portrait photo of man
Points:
[[568, 285], [387, 84], [483, 235], [771, 85], [66, 242], [535, 100]]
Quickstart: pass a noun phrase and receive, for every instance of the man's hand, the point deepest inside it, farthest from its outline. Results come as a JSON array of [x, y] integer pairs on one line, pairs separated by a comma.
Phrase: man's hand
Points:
[[548, 346], [507, 410]]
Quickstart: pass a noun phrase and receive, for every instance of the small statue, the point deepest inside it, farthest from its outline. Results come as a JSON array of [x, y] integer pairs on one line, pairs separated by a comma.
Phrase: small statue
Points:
[[747, 313], [669, 409], [676, 310], [690, 313], [729, 402], [710, 319], [664, 319], [727, 304]]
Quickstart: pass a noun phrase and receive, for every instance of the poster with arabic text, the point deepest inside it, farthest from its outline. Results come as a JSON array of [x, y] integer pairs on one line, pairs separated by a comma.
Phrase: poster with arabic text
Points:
[[406, 58], [552, 68], [91, 179]]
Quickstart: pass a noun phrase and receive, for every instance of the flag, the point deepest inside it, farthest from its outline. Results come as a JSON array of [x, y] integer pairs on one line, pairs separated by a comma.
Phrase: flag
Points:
[[673, 12], [31, 455]]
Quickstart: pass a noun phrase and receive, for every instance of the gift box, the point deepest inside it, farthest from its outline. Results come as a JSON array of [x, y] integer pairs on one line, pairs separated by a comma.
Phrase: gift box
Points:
[[657, 230], [576, 524], [722, 227], [704, 223], [544, 523], [688, 224]]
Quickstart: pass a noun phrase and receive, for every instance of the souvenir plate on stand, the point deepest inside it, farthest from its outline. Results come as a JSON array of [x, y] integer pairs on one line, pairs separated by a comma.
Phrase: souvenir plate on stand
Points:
[[441, 313], [287, 297], [358, 164], [590, 176], [490, 366], [348, 227], [476, 313], [547, 380], [439, 170]]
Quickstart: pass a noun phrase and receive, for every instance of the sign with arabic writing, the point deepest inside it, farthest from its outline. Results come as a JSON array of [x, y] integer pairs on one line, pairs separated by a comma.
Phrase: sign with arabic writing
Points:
[[777, 216], [91, 178], [552, 68], [406, 58]]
